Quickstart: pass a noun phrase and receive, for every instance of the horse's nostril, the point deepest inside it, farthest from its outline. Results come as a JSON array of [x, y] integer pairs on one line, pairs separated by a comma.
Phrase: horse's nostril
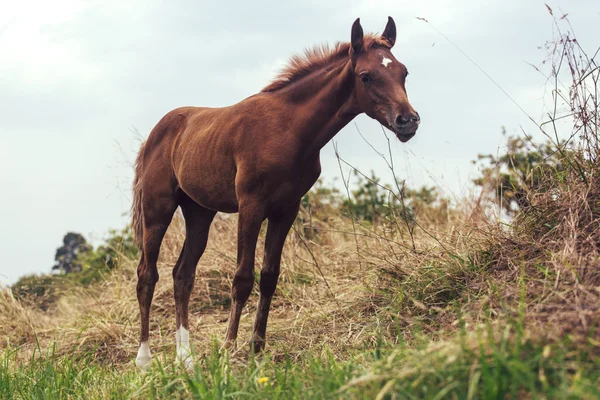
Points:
[[402, 120]]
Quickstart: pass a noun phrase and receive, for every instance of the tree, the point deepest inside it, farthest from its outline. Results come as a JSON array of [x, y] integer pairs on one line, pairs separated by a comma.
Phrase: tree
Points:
[[106, 256], [68, 256], [510, 177]]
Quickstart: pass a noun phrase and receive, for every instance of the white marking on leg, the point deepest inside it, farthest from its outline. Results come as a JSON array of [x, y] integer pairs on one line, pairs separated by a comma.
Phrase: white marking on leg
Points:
[[144, 358], [385, 61], [184, 350]]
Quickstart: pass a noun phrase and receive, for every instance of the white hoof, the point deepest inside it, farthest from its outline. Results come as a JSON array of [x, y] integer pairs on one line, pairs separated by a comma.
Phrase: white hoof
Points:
[[144, 358], [184, 353], [186, 361]]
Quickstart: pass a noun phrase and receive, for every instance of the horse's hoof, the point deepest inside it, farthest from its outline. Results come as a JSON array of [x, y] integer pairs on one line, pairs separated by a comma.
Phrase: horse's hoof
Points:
[[229, 345], [257, 346], [186, 363], [185, 359], [143, 363], [144, 358]]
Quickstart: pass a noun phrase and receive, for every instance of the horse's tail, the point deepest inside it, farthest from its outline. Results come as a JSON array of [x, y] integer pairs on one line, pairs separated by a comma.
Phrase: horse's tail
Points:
[[137, 217]]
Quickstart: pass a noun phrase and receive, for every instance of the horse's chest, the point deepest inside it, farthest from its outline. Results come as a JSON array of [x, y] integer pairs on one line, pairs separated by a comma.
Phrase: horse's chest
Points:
[[304, 179], [308, 179]]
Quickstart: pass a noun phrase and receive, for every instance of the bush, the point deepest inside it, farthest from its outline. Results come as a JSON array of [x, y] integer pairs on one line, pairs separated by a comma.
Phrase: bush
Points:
[[81, 266]]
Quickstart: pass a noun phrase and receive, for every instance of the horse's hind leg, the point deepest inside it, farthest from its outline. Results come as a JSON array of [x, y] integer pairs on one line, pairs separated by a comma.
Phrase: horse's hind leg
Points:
[[197, 225], [157, 214]]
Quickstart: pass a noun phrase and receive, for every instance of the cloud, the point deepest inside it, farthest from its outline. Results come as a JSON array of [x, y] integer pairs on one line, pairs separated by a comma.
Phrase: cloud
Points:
[[30, 51]]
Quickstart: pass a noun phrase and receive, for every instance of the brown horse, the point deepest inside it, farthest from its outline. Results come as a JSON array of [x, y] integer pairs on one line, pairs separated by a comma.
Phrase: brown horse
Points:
[[258, 158]]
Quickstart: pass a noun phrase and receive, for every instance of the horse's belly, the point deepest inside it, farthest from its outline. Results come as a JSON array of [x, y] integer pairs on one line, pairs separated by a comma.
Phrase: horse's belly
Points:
[[209, 184], [216, 199]]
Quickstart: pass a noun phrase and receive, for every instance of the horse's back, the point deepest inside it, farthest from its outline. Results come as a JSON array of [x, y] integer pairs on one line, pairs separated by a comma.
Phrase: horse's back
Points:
[[200, 149]]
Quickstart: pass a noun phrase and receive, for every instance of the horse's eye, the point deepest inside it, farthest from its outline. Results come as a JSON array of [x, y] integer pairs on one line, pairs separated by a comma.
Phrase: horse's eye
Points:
[[365, 78]]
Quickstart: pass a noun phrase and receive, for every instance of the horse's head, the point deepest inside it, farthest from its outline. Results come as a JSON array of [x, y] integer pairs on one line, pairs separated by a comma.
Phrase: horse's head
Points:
[[381, 81]]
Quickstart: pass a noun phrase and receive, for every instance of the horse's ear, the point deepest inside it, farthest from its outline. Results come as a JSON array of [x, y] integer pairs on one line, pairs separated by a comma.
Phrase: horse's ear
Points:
[[357, 36], [389, 33]]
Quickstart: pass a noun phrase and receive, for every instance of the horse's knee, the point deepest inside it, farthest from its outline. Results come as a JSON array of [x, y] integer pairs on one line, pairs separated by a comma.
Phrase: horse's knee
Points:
[[268, 281], [183, 278], [146, 277], [242, 286]]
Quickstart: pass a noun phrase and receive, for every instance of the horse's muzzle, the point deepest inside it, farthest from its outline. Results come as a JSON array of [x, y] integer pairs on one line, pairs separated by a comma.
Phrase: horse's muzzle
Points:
[[406, 131], [405, 137]]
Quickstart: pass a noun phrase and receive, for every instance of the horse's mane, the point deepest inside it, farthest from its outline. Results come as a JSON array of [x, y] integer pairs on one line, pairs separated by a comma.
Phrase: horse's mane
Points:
[[316, 58]]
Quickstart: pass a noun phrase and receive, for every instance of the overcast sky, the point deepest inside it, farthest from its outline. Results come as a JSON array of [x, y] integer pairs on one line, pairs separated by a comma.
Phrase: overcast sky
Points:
[[78, 77]]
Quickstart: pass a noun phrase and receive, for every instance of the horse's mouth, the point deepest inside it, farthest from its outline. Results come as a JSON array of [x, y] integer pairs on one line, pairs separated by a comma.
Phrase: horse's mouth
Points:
[[405, 132], [405, 137]]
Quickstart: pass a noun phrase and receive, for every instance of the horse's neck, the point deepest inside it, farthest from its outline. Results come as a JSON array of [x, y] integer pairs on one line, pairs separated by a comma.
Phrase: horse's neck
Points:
[[326, 103]]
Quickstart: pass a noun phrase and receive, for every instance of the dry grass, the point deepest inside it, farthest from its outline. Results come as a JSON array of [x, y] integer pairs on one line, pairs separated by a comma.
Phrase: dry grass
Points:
[[357, 286], [360, 296]]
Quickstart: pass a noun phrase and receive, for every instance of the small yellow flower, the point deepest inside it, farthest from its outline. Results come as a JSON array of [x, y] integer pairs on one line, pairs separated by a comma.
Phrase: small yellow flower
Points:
[[546, 352], [263, 381]]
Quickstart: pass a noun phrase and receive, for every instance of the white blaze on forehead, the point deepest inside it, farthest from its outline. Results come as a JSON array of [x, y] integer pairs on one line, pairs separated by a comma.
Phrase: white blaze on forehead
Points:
[[385, 61], [144, 358]]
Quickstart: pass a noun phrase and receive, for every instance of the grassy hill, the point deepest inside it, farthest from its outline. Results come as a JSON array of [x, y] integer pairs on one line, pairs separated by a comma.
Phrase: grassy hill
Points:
[[444, 304]]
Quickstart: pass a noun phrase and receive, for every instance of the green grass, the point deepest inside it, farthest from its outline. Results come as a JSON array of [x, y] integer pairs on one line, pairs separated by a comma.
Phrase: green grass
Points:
[[468, 366]]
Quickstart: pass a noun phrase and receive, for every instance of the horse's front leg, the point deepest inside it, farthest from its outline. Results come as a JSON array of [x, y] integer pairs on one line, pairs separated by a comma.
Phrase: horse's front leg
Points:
[[279, 226], [251, 216]]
